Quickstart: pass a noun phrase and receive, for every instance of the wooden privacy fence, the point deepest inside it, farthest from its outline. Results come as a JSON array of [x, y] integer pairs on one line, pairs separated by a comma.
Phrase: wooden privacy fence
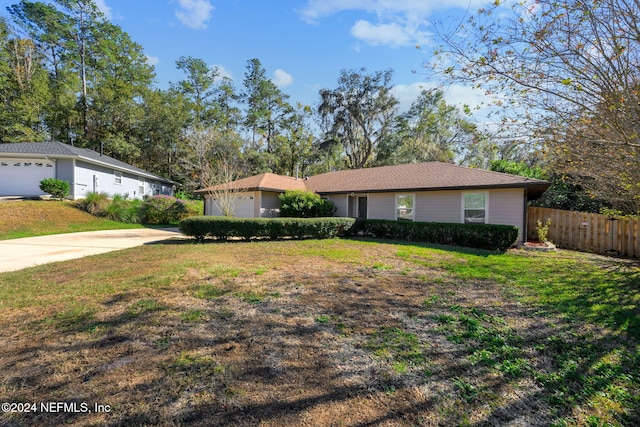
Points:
[[588, 232]]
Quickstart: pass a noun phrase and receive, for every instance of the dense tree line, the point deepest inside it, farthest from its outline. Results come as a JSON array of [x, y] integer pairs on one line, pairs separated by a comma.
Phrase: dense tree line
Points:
[[566, 75], [68, 74]]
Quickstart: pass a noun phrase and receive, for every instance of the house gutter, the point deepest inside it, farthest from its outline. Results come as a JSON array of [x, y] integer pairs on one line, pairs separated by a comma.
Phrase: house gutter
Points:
[[53, 157], [123, 169], [453, 188], [273, 190]]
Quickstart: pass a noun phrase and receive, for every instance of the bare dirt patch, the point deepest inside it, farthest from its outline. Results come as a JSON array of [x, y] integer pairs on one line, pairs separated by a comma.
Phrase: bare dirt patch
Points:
[[283, 334]]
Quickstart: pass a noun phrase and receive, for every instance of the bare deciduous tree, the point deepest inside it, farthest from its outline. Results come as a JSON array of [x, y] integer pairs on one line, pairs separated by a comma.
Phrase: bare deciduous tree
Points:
[[203, 150], [566, 72], [221, 189]]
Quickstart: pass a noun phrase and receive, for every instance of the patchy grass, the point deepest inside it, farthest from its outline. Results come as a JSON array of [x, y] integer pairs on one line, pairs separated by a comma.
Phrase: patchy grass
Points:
[[26, 218], [324, 333]]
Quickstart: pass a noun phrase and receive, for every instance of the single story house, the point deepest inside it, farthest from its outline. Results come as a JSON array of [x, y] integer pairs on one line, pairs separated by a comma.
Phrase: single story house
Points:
[[428, 192], [24, 165]]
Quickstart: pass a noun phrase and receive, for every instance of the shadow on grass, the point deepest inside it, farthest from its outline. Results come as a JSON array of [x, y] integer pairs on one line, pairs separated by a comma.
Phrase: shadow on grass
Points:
[[448, 248], [538, 368]]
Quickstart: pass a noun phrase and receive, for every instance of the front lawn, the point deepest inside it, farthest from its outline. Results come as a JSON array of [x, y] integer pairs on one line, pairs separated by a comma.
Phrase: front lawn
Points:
[[26, 218], [315, 333]]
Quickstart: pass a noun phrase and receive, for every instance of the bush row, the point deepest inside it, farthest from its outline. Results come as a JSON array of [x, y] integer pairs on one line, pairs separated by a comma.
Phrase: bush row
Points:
[[153, 210], [480, 236], [218, 227], [169, 210], [305, 204]]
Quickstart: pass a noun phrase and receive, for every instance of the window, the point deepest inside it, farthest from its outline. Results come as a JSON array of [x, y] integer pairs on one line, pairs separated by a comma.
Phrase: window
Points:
[[404, 207], [117, 177], [141, 186], [475, 208]]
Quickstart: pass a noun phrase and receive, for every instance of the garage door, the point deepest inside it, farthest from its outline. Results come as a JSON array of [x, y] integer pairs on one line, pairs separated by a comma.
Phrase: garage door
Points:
[[22, 177], [244, 207]]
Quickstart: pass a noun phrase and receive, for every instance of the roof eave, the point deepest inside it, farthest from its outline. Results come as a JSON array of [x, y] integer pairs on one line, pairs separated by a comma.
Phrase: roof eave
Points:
[[36, 156], [274, 190], [122, 169], [530, 186]]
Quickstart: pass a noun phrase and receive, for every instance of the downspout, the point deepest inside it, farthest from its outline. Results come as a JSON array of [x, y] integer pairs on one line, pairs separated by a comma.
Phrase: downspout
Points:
[[525, 215], [73, 179]]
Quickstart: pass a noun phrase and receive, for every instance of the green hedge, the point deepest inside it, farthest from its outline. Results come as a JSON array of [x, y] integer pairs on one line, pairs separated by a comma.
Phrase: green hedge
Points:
[[480, 236], [305, 204], [219, 227], [163, 209], [57, 188]]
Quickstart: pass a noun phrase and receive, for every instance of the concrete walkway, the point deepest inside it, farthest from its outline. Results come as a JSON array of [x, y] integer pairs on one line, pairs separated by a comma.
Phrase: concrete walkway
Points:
[[17, 254]]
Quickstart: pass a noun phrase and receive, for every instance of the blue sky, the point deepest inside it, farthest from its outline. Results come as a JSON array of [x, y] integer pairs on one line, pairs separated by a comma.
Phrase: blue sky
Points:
[[302, 44]]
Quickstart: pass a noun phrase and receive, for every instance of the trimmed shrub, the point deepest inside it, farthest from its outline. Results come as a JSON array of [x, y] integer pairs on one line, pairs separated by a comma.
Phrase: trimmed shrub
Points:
[[480, 236], [304, 204], [219, 227], [57, 188], [154, 210], [164, 210]]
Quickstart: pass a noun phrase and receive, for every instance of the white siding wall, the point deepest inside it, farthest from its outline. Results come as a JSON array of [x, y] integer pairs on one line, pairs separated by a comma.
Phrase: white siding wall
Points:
[[210, 207], [83, 178], [341, 202], [95, 178], [101, 179], [507, 207], [246, 205], [382, 206], [65, 171], [438, 206]]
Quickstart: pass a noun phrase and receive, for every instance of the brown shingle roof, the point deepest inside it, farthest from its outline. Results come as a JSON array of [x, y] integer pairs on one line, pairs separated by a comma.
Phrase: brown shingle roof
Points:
[[411, 177], [417, 176], [264, 182]]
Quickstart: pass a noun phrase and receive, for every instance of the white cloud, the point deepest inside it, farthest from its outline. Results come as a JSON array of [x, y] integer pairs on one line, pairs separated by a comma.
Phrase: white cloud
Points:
[[152, 60], [281, 78], [407, 94], [397, 22], [456, 95], [102, 7], [381, 34], [194, 13], [222, 71]]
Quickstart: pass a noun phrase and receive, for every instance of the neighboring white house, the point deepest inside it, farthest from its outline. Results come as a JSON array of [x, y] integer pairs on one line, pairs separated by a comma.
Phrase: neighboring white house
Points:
[[24, 165], [429, 192]]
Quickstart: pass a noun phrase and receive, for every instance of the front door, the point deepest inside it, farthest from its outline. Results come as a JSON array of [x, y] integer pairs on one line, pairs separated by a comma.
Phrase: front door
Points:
[[362, 207]]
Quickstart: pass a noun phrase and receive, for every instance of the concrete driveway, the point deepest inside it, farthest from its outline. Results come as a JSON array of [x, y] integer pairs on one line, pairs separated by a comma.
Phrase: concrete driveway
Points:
[[17, 254]]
